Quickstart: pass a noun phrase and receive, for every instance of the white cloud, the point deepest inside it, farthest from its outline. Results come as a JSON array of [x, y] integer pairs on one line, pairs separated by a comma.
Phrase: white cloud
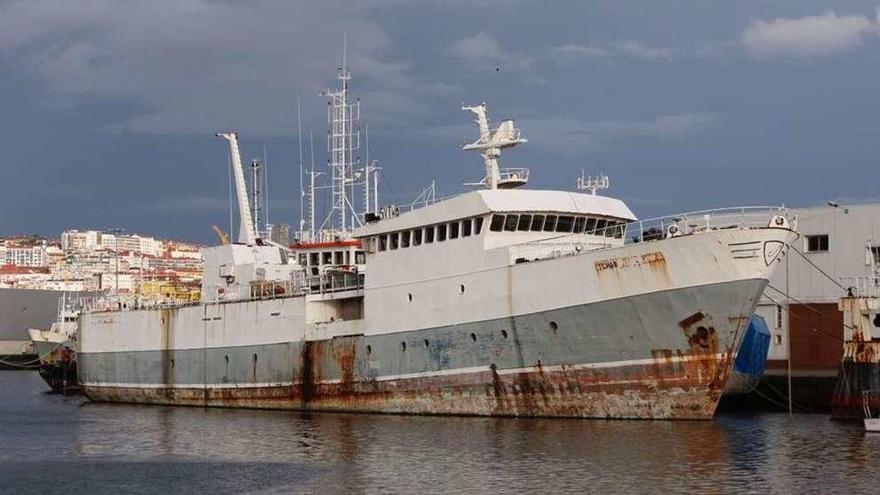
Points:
[[565, 133], [811, 36], [484, 50], [625, 48], [194, 66]]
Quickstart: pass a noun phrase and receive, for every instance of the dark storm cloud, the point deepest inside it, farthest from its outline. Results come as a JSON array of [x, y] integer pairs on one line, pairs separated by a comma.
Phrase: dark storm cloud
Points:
[[109, 107]]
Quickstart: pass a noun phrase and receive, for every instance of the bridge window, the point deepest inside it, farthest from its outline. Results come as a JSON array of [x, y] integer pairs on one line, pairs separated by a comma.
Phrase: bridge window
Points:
[[510, 223], [327, 258], [394, 238], [359, 258], [550, 223], [497, 223], [537, 223], [611, 229], [478, 225], [524, 222], [453, 230], [466, 228], [601, 224], [429, 234], [579, 225], [441, 232], [383, 242], [337, 258], [404, 239], [564, 224], [591, 226], [417, 237]]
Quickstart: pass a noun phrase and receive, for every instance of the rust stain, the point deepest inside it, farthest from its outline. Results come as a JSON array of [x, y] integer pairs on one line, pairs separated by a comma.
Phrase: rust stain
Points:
[[166, 345], [688, 322], [703, 345], [310, 357], [633, 391], [345, 354], [677, 383]]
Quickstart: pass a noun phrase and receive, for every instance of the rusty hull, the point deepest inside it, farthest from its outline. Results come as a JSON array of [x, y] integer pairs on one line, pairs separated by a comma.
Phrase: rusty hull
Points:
[[672, 384], [627, 392]]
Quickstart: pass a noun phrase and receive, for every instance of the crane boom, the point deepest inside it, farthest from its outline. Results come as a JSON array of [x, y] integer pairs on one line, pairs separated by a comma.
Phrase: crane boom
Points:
[[246, 233], [224, 237]]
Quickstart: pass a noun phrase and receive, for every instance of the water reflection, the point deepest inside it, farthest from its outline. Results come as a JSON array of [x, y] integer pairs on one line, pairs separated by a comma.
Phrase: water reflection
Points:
[[167, 449]]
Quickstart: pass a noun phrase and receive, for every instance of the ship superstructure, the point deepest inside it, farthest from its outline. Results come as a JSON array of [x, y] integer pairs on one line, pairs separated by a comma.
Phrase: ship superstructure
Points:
[[500, 301]]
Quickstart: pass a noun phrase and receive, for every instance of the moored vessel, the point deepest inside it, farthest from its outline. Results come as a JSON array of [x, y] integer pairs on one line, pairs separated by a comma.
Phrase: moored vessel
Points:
[[502, 301], [56, 348]]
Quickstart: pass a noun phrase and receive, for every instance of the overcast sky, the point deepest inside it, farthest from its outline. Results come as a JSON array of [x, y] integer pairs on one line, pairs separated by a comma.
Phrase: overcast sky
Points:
[[109, 107]]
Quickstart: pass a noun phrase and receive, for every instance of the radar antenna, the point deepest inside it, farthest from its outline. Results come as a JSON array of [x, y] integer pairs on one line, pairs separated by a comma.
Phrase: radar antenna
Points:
[[490, 145], [593, 184]]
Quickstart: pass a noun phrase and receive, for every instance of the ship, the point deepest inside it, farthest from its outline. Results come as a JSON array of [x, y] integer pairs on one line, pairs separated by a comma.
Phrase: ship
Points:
[[500, 301], [56, 348], [857, 387], [20, 310]]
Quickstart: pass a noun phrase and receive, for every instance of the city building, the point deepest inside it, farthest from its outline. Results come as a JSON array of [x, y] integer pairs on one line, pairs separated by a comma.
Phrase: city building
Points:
[[24, 252]]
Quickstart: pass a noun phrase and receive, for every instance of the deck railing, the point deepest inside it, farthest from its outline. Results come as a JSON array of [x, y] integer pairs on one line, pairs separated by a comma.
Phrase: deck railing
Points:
[[652, 229], [867, 286], [697, 221]]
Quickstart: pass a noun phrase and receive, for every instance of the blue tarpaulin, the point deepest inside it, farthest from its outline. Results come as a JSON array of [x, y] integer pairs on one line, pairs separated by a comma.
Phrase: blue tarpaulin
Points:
[[752, 355]]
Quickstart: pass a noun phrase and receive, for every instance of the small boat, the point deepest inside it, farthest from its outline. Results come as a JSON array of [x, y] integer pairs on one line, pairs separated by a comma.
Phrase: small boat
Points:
[[56, 348], [872, 424]]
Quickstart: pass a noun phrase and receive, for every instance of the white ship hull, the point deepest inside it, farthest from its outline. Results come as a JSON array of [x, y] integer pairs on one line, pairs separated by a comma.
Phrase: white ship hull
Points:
[[46, 341], [646, 330]]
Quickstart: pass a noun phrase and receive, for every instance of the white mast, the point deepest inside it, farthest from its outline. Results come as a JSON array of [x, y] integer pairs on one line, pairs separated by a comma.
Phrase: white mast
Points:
[[302, 192], [343, 140], [246, 233], [256, 181], [370, 179], [490, 144], [367, 171], [311, 201]]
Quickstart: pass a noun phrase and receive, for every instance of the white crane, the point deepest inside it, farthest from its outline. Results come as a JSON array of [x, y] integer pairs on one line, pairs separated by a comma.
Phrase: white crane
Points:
[[246, 233]]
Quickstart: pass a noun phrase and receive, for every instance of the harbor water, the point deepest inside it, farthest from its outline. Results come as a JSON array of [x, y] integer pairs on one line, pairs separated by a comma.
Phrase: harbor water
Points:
[[52, 443]]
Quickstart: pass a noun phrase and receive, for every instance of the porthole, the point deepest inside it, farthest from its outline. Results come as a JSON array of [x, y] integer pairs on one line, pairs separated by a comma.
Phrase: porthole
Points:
[[554, 326], [504, 333], [461, 289], [369, 350], [474, 337], [172, 363], [226, 358], [403, 346], [427, 344], [255, 358], [409, 296]]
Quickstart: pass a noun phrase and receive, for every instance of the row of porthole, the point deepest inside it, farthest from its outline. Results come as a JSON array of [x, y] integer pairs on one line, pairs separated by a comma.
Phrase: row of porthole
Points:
[[409, 295], [225, 358], [553, 326]]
